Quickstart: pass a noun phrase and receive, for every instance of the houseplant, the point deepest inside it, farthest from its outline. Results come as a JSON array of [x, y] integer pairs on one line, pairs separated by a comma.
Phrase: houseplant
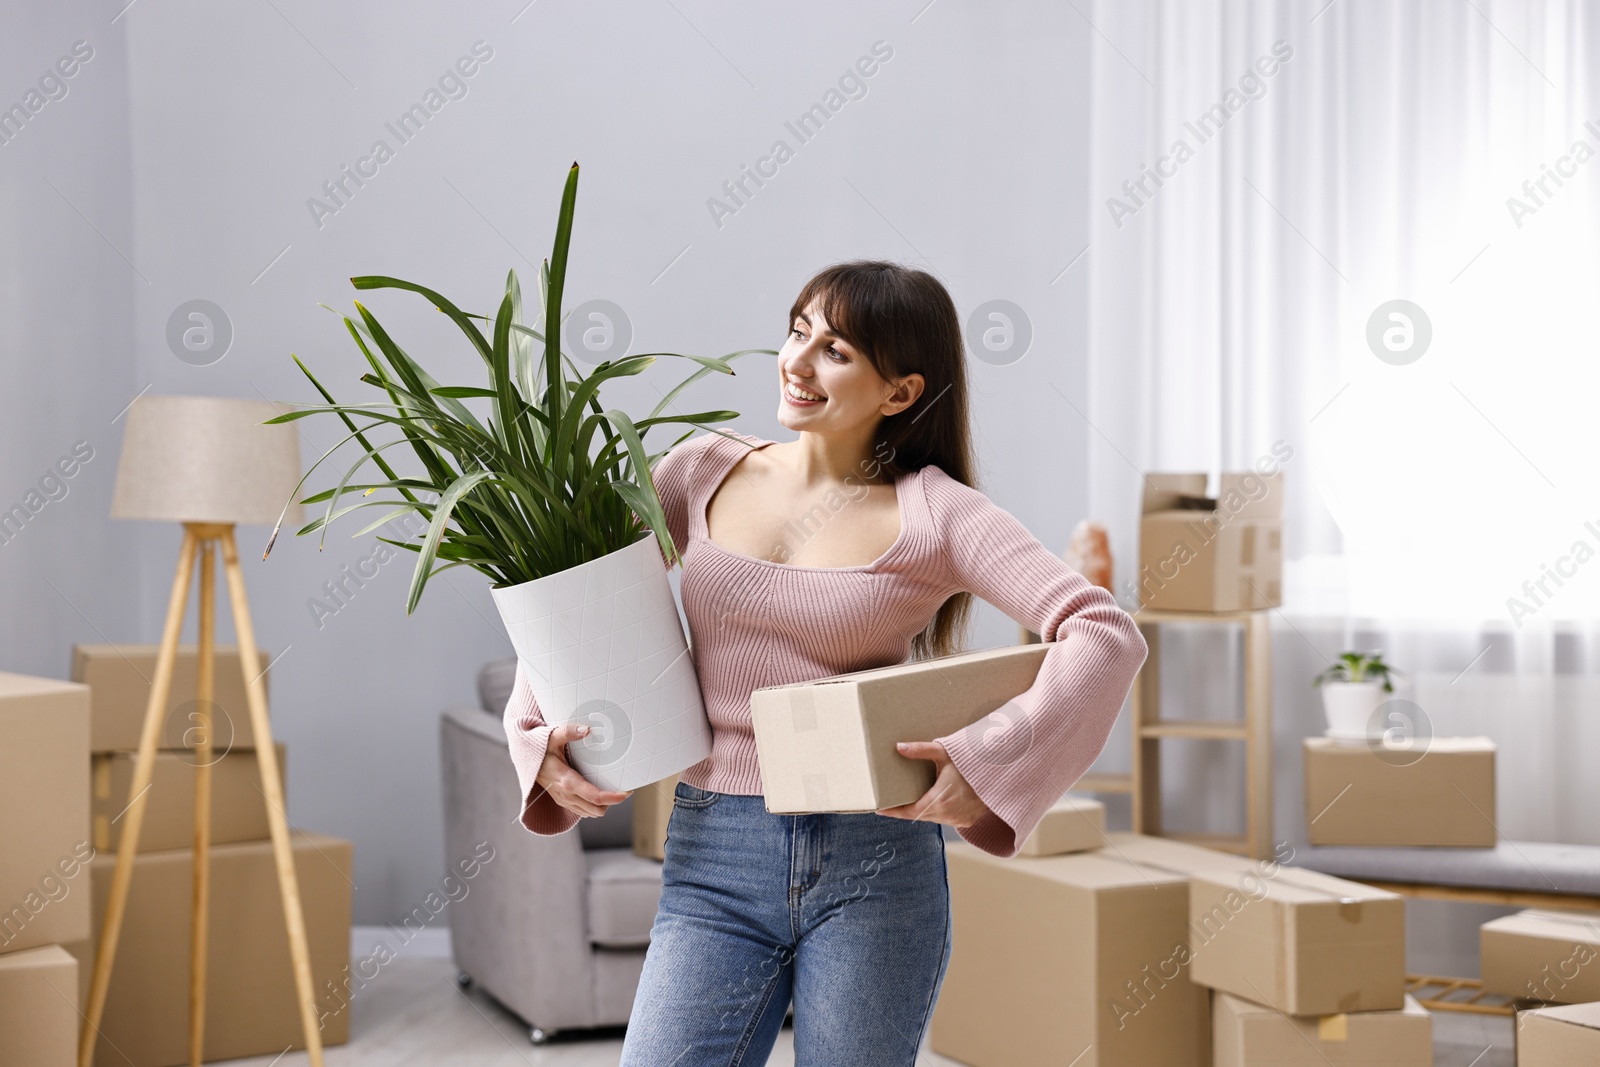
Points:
[[550, 496], [1353, 688]]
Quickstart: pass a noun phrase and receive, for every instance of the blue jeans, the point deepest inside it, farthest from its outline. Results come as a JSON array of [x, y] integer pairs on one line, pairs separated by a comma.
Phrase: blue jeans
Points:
[[848, 914]]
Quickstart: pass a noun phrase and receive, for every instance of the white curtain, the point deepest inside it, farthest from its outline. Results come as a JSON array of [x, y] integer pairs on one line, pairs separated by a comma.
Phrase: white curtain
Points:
[[1336, 157]]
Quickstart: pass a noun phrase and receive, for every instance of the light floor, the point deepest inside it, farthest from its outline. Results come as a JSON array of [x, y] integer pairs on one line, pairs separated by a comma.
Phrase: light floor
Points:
[[414, 1015]]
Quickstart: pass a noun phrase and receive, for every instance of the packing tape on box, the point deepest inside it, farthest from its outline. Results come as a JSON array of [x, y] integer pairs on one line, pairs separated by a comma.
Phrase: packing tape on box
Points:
[[815, 787], [1152, 864], [803, 709], [1333, 1027], [1349, 907]]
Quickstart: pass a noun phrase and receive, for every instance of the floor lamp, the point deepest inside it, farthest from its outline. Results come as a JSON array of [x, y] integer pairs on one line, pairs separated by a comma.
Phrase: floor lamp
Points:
[[209, 464]]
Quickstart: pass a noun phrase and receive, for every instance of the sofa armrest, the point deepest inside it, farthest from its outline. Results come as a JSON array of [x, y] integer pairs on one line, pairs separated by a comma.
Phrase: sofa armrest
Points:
[[521, 930]]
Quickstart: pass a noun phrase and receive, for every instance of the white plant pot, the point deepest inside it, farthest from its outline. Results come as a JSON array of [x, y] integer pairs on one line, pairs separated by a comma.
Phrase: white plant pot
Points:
[[1350, 707], [601, 643]]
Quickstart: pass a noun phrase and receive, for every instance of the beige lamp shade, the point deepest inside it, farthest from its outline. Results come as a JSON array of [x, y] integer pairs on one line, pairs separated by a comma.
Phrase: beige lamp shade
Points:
[[207, 459]]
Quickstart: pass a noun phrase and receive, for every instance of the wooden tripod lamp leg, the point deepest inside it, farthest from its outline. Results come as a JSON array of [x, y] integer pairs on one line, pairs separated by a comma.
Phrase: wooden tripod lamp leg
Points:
[[272, 789], [144, 767], [205, 691]]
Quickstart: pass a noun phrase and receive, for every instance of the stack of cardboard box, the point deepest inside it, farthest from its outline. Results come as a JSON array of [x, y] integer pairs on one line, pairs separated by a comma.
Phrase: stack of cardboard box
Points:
[[1148, 950], [251, 1004], [1072, 957], [1554, 957], [44, 854], [1211, 553], [1303, 968]]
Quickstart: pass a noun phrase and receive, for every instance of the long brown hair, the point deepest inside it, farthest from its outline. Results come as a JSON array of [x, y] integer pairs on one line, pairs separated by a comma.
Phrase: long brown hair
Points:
[[904, 322]]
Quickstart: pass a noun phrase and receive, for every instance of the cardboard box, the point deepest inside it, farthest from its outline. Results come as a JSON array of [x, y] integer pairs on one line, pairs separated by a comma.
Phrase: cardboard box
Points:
[[1076, 959], [1073, 824], [828, 745], [1542, 955], [1203, 553], [1302, 942], [121, 676], [44, 793], [1248, 1035], [38, 1008], [1445, 799], [1559, 1037], [251, 1005], [652, 807], [238, 807], [1298, 941]]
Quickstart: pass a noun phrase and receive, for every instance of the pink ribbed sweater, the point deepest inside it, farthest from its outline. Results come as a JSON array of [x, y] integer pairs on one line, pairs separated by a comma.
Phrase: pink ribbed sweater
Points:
[[755, 623]]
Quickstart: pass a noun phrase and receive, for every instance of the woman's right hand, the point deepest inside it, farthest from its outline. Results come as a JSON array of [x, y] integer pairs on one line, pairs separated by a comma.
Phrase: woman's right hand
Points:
[[566, 786]]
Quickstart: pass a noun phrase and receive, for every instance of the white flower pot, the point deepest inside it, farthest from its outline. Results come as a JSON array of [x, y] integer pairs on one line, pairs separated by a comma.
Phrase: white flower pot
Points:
[[601, 643], [1350, 707]]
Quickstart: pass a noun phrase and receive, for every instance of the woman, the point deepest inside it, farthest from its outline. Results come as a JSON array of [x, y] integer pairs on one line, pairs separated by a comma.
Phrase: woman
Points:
[[851, 547]]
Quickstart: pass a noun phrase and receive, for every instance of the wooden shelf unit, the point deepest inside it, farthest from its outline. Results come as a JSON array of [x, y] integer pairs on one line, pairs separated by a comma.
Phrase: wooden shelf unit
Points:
[[1254, 729]]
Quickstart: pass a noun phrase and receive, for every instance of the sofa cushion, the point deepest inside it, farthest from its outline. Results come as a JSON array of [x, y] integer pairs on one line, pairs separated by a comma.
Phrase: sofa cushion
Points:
[[1529, 866], [623, 891], [495, 680]]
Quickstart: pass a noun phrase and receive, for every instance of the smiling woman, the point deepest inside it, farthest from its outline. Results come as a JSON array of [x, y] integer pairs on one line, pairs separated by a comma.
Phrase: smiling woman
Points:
[[872, 380]]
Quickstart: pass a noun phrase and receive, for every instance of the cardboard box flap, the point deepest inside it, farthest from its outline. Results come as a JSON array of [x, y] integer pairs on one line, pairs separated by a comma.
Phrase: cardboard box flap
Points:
[[1163, 490], [1240, 494]]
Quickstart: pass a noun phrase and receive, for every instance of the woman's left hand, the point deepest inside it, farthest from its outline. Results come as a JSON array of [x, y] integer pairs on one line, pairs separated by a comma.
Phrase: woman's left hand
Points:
[[950, 801]]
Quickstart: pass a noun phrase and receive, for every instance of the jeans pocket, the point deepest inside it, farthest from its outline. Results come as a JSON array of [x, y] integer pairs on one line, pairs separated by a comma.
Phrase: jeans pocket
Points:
[[689, 796]]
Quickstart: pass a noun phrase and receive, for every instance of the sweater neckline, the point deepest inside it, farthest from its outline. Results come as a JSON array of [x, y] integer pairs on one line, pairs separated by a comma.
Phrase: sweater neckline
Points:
[[703, 509]]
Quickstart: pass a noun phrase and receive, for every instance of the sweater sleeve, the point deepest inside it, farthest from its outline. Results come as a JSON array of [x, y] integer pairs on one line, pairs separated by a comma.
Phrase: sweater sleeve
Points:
[[525, 727], [1024, 755]]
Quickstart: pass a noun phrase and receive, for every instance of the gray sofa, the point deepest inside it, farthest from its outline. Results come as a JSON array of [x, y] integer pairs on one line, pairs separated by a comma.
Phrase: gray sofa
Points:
[[554, 928]]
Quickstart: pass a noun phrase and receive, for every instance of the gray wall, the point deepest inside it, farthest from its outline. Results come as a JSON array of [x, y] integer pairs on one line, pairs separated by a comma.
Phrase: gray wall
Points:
[[66, 341], [195, 137]]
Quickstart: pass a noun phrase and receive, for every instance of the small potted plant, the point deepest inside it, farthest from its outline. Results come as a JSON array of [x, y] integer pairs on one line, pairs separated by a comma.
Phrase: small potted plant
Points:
[[548, 493], [1353, 688]]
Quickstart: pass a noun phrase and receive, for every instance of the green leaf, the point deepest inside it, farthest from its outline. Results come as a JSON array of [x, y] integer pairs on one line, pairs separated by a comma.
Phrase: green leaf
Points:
[[375, 281], [430, 544], [463, 391], [646, 498]]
